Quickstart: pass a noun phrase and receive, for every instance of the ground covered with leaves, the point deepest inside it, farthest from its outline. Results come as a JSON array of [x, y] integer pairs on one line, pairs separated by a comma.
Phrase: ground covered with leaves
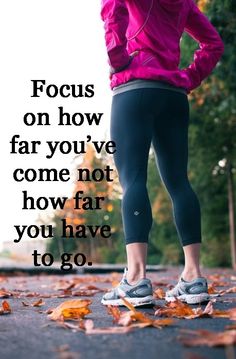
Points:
[[61, 317]]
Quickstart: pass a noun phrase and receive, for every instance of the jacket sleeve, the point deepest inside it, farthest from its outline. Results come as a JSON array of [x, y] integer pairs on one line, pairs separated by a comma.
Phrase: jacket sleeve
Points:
[[115, 15], [210, 49]]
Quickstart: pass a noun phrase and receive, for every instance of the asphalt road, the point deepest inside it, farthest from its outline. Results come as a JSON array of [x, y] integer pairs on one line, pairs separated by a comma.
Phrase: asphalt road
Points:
[[28, 333]]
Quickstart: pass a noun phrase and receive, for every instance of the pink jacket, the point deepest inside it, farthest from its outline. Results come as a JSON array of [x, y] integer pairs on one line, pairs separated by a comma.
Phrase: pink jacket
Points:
[[154, 28]]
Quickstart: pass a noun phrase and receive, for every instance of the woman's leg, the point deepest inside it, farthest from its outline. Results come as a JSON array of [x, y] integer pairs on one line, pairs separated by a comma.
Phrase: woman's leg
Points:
[[170, 141], [131, 130], [192, 259], [136, 261]]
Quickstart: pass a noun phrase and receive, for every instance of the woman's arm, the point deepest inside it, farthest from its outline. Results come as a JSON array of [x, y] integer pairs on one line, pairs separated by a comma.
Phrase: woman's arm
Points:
[[211, 46], [115, 16]]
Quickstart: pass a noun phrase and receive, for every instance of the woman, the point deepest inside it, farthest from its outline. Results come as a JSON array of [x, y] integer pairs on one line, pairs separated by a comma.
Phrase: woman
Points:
[[150, 107]]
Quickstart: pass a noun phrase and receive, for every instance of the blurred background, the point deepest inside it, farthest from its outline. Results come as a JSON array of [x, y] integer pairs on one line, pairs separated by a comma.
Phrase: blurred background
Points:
[[64, 43]]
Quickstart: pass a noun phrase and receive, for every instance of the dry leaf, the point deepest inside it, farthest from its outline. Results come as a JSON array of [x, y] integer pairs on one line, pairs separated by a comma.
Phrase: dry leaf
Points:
[[114, 311], [176, 309], [143, 318], [84, 293], [89, 329], [64, 285], [75, 313], [6, 309], [221, 283], [182, 310], [212, 289], [227, 291], [6, 306], [4, 293], [207, 338], [71, 309], [125, 319], [159, 293], [38, 303]]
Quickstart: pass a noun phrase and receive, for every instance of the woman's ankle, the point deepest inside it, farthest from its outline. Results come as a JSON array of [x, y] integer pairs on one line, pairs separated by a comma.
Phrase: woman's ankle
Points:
[[191, 274], [134, 276]]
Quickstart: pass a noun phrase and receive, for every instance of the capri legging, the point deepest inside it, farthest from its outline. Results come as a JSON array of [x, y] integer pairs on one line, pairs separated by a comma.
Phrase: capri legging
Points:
[[160, 117]]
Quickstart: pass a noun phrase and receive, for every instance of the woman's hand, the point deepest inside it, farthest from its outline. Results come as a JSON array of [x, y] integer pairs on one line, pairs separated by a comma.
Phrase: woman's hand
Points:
[[114, 71]]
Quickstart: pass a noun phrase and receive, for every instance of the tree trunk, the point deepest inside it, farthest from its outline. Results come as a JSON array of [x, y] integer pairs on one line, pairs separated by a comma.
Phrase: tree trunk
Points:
[[231, 213]]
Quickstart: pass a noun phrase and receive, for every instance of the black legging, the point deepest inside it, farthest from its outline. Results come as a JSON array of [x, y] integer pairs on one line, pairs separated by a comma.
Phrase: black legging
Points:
[[159, 116]]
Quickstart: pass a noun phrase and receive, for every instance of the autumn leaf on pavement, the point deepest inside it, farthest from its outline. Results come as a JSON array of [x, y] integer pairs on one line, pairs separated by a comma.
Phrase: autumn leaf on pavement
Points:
[[212, 289], [182, 310], [144, 318], [6, 309], [4, 293], [114, 311], [88, 326], [227, 291], [37, 303], [208, 338], [64, 285], [71, 309], [176, 309], [159, 293]]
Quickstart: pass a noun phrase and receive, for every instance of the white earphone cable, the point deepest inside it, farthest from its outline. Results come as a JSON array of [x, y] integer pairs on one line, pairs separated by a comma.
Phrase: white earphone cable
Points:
[[144, 24]]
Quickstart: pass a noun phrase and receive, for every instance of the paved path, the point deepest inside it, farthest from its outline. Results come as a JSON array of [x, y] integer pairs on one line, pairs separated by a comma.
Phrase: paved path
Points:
[[28, 333]]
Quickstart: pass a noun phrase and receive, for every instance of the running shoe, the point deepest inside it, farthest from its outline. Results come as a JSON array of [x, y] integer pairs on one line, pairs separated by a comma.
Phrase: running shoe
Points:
[[193, 292], [138, 294]]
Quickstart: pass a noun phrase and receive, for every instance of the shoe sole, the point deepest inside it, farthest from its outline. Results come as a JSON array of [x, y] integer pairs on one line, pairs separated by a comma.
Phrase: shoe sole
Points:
[[135, 301], [190, 298]]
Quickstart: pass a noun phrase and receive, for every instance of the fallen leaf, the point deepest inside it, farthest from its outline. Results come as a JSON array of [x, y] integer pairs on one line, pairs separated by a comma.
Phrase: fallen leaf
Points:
[[182, 310], [75, 313], [143, 318], [159, 293], [6, 309], [64, 285], [114, 311], [220, 283], [6, 306], [84, 293], [71, 309], [212, 289], [176, 309], [208, 338], [38, 303], [89, 329], [227, 291], [4, 293]]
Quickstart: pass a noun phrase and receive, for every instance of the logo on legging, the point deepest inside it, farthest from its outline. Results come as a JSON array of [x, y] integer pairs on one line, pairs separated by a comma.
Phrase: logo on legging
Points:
[[136, 213]]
